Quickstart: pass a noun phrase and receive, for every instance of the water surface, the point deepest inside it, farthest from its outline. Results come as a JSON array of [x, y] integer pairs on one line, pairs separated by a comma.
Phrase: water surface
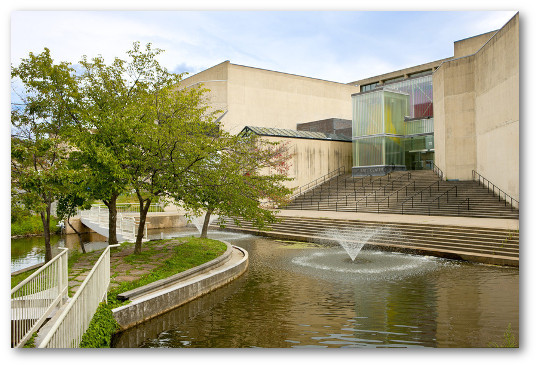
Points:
[[317, 298]]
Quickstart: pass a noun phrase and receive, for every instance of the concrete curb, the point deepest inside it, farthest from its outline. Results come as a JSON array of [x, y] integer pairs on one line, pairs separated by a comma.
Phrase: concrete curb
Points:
[[163, 283], [183, 289]]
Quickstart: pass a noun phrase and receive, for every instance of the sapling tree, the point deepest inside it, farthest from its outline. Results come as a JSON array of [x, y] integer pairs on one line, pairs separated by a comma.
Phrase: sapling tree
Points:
[[246, 172]]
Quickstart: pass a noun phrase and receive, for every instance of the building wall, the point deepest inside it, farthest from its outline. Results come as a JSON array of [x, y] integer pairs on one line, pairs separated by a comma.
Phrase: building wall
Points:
[[497, 108], [454, 128], [470, 45], [476, 100], [215, 79], [312, 158], [258, 97], [399, 73], [328, 126]]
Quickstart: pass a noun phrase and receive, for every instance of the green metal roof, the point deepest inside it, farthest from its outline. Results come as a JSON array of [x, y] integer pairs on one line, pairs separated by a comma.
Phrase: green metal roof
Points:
[[289, 133]]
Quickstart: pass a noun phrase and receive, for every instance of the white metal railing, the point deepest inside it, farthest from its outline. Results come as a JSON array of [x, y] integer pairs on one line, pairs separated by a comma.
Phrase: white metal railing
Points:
[[72, 323], [35, 297], [125, 226], [133, 207]]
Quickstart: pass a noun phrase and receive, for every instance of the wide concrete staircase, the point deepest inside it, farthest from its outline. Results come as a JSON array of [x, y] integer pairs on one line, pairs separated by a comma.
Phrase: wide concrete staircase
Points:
[[410, 192], [485, 245]]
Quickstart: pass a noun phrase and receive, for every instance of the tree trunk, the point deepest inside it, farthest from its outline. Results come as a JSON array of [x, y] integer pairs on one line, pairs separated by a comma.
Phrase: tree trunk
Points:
[[141, 226], [45, 218], [78, 234], [112, 219], [203, 233]]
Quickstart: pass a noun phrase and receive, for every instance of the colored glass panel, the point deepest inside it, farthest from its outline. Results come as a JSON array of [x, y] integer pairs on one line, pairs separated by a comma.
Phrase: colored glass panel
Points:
[[395, 105], [420, 91]]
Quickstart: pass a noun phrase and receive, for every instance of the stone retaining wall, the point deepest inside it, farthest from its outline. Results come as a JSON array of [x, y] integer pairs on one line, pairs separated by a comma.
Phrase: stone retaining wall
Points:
[[180, 290]]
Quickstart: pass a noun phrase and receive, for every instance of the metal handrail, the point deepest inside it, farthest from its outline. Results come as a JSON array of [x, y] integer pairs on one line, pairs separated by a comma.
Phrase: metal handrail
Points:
[[132, 207], [420, 192], [512, 200], [322, 179], [437, 171], [463, 202], [438, 197], [396, 192], [408, 174]]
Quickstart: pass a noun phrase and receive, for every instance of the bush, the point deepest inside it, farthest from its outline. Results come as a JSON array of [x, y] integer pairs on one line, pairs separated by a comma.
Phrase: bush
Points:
[[31, 224], [101, 328]]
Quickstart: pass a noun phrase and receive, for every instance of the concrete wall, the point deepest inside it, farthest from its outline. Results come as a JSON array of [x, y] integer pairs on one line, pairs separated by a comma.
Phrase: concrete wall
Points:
[[469, 46], [267, 98], [497, 108], [399, 73], [476, 101], [312, 159], [159, 302], [454, 128], [216, 80]]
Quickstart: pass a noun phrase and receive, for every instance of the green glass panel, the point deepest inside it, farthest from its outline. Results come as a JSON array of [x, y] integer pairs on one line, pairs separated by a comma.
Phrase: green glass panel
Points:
[[419, 126], [368, 114], [368, 151], [394, 152]]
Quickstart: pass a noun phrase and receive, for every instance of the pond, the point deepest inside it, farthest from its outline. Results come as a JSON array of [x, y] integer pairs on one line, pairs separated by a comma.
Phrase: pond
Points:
[[298, 296], [309, 296]]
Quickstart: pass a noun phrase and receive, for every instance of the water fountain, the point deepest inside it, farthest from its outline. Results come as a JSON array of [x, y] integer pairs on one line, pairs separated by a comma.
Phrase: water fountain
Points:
[[198, 221], [351, 262], [353, 240]]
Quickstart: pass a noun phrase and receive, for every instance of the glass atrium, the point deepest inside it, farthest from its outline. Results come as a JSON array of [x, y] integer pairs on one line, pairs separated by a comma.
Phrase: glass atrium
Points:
[[393, 127]]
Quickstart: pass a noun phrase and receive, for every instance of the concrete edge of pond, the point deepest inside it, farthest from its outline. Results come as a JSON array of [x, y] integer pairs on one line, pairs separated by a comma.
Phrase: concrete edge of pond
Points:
[[183, 289], [163, 283]]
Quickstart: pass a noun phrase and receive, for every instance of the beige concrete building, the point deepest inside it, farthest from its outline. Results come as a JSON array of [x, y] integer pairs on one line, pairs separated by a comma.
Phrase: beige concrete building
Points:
[[459, 113]]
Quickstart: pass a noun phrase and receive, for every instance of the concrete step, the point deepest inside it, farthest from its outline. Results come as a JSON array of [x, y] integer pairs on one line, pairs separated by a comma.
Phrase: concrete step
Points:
[[333, 195], [487, 245], [484, 242]]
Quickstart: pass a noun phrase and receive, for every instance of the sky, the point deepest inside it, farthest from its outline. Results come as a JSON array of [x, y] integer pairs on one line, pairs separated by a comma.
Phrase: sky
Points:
[[341, 46]]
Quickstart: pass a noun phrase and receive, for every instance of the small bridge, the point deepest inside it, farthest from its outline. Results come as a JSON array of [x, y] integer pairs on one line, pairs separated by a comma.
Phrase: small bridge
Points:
[[96, 219]]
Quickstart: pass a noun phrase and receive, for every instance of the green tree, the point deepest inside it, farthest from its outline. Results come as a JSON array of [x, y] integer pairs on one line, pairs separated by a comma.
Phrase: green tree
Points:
[[48, 94], [246, 173], [113, 114], [177, 135]]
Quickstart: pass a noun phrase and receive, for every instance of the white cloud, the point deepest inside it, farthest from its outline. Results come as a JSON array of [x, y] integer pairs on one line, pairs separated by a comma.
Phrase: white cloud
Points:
[[337, 46]]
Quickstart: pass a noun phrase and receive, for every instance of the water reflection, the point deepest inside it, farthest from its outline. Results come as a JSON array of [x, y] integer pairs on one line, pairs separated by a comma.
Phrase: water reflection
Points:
[[28, 251], [279, 303]]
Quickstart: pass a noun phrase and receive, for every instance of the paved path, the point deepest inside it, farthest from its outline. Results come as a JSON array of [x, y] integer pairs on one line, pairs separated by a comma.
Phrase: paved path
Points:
[[512, 224]]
